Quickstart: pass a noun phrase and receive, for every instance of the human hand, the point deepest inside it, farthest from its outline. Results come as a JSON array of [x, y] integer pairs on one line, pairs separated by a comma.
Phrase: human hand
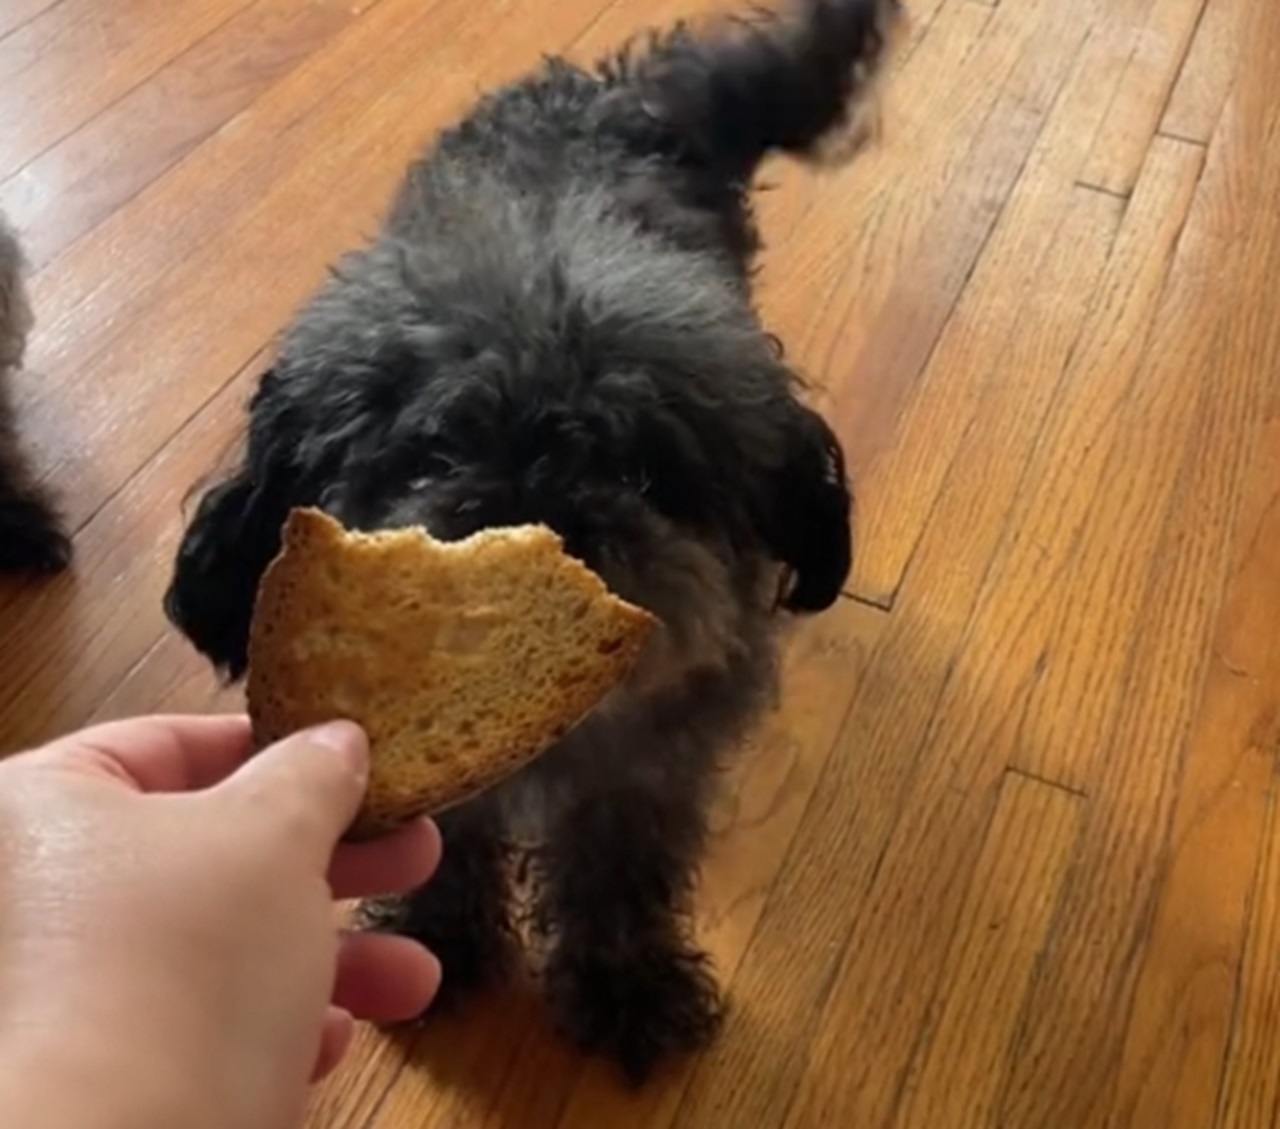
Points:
[[169, 937]]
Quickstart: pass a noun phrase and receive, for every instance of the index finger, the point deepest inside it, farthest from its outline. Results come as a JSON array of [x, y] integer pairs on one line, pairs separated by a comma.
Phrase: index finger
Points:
[[162, 752]]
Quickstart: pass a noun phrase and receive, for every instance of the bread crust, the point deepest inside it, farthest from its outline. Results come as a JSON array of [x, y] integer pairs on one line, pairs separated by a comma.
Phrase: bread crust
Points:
[[463, 661]]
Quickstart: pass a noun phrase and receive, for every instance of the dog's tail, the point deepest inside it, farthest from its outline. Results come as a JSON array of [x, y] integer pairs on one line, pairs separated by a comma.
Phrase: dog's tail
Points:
[[801, 81]]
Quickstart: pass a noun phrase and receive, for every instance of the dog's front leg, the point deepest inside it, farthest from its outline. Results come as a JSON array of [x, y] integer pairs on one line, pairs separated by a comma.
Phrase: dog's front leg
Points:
[[461, 913], [623, 976]]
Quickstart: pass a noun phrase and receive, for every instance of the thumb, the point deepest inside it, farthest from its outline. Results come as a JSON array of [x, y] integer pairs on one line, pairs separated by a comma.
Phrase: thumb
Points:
[[308, 786]]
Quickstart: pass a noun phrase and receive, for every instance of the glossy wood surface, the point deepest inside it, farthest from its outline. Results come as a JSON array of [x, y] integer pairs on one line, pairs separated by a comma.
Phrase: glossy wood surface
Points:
[[1008, 855]]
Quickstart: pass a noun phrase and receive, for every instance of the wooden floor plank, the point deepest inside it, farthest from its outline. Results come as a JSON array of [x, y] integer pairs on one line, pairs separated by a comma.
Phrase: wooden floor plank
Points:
[[1159, 49], [899, 487], [866, 342], [163, 237], [1206, 76], [1000, 933], [1176, 1042], [76, 58], [982, 720], [1250, 1097], [15, 13], [68, 189], [1061, 408], [1076, 541], [69, 641], [1091, 968]]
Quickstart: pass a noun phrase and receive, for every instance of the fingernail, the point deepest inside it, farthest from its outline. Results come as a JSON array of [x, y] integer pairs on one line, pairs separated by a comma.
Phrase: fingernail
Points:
[[344, 737]]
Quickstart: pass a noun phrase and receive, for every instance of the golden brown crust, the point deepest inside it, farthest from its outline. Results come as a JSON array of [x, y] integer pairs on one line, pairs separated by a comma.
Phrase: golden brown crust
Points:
[[462, 661]]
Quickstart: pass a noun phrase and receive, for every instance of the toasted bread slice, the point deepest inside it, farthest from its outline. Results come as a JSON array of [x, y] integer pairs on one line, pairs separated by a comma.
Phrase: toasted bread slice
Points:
[[463, 661]]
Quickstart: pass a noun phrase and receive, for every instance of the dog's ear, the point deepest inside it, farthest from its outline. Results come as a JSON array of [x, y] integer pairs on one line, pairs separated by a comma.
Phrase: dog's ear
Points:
[[224, 551], [807, 523], [236, 530]]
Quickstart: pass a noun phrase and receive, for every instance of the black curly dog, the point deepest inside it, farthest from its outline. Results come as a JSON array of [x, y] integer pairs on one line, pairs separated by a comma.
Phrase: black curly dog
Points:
[[31, 534], [555, 325]]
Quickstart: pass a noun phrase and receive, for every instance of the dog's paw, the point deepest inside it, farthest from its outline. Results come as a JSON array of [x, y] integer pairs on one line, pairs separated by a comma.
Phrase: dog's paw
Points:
[[31, 538], [474, 953], [637, 1006]]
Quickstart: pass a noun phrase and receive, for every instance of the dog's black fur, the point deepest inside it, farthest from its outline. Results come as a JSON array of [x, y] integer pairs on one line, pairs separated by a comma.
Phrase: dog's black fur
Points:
[[555, 325], [31, 534]]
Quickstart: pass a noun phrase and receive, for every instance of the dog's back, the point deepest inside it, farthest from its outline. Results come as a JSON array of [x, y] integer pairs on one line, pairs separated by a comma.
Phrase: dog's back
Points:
[[673, 132]]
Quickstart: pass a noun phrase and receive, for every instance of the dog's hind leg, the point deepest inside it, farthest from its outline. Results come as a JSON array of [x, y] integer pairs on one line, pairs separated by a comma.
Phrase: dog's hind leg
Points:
[[31, 536], [803, 82]]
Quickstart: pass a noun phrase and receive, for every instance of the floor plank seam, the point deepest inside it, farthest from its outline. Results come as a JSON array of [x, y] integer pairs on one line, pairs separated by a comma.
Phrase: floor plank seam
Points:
[[1169, 135], [131, 669], [175, 436], [54, 141], [1103, 190], [888, 601], [30, 19], [1177, 72], [179, 157], [182, 158], [879, 603], [1039, 778]]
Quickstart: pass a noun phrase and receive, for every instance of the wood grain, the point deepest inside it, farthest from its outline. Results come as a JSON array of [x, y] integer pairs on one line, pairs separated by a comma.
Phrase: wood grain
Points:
[[1250, 1096], [1159, 47], [955, 1078], [74, 59], [1185, 994], [901, 484], [1008, 854], [70, 187], [1107, 906], [980, 723], [15, 13], [1207, 74]]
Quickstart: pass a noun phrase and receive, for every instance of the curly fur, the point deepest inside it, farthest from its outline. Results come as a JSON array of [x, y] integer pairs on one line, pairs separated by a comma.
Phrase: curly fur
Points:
[[31, 536], [555, 325]]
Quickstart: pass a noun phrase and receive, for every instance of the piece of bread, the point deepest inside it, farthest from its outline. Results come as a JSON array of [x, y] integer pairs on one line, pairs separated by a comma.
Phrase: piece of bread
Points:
[[462, 661]]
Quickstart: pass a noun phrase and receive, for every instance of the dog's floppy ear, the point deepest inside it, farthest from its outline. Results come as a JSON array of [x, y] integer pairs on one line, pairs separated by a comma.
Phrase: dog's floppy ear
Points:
[[224, 551], [808, 524], [234, 534]]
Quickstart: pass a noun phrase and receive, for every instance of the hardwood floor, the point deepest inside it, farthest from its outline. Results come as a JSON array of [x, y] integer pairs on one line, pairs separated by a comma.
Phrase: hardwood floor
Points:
[[1009, 853]]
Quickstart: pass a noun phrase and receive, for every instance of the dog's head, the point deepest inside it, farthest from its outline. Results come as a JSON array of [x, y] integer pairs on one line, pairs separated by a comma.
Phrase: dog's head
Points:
[[592, 381]]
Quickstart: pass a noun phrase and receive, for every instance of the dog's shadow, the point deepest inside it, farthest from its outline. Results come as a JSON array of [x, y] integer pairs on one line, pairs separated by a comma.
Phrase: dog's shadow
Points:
[[498, 1061], [493, 1059]]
